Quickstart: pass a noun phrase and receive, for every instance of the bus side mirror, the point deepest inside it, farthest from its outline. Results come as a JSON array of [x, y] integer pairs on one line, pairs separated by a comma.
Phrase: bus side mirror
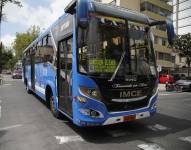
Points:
[[170, 32], [83, 8], [159, 68]]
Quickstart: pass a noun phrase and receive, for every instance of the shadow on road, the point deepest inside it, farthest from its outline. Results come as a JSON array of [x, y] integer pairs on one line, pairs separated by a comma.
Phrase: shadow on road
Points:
[[125, 132], [137, 130]]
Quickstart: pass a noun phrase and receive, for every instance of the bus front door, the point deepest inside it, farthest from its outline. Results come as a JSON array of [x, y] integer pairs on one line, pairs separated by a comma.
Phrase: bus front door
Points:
[[64, 76], [33, 71]]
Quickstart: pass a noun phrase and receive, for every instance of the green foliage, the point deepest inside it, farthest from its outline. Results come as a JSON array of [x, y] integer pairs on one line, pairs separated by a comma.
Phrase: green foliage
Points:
[[6, 59], [24, 39], [183, 44], [4, 2]]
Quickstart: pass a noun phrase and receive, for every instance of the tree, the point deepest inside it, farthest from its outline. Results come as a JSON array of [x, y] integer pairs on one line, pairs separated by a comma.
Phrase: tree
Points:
[[2, 5], [24, 39], [183, 44], [6, 58]]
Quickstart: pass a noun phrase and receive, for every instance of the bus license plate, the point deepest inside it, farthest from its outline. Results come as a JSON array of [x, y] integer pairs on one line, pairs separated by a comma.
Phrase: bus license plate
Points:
[[137, 116], [129, 118]]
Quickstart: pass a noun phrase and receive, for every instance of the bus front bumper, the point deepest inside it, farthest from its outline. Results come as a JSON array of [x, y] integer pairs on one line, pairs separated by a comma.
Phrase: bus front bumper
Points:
[[117, 118]]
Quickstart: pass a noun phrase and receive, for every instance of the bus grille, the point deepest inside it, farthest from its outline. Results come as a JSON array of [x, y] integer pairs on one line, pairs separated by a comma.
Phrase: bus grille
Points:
[[113, 106]]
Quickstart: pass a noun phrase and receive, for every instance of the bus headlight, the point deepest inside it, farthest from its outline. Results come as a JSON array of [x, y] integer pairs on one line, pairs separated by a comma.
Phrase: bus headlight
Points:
[[90, 92], [92, 113]]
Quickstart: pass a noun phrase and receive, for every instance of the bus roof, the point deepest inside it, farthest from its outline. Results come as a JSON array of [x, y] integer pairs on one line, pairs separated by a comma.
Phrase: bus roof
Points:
[[113, 10], [47, 31], [107, 9]]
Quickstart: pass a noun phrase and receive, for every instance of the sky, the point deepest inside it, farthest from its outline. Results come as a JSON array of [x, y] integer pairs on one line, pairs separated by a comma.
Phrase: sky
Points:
[[184, 11], [34, 12], [44, 12]]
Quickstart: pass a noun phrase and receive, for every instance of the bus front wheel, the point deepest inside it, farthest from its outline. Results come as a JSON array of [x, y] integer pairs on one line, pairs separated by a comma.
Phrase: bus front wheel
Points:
[[27, 88], [54, 110]]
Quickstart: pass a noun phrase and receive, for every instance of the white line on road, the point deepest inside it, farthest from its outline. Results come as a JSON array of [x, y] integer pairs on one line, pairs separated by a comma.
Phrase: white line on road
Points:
[[164, 94], [117, 133], [10, 127], [174, 93], [7, 84], [186, 139], [67, 139], [157, 127], [0, 109], [151, 146]]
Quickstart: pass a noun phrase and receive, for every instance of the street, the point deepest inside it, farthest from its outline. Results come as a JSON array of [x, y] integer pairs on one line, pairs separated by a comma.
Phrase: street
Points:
[[27, 124]]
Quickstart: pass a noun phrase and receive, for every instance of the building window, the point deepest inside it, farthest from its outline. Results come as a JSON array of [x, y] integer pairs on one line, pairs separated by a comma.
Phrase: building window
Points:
[[163, 41], [156, 40], [155, 9], [165, 56], [160, 56], [173, 59]]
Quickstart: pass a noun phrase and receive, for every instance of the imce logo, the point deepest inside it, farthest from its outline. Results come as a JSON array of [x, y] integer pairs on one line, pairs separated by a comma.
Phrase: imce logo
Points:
[[126, 94]]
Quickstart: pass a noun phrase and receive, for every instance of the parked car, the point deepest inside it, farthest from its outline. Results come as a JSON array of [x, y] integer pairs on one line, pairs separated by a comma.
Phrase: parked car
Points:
[[184, 85], [165, 78], [17, 74], [6, 71]]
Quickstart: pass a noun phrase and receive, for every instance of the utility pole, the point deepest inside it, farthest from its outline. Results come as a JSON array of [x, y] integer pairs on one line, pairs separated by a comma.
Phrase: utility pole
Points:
[[177, 15], [178, 4], [1, 14]]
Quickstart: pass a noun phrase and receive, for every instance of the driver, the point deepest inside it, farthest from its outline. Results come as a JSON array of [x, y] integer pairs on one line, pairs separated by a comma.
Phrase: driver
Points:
[[114, 49]]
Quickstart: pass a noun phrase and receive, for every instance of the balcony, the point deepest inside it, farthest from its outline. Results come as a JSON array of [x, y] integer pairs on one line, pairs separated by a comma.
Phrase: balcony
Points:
[[160, 3], [154, 16], [165, 63], [161, 48], [159, 33]]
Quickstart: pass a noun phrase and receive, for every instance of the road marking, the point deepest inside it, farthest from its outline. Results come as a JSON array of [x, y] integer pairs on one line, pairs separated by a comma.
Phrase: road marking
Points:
[[174, 93], [8, 84], [0, 109], [186, 139], [67, 139], [116, 133], [157, 127], [150, 147], [164, 94], [10, 127]]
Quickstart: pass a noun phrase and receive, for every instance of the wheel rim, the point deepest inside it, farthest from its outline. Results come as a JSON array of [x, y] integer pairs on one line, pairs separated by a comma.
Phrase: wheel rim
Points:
[[52, 104], [27, 87]]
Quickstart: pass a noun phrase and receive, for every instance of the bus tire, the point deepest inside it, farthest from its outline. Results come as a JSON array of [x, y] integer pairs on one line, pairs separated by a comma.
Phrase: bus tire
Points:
[[27, 88], [50, 103]]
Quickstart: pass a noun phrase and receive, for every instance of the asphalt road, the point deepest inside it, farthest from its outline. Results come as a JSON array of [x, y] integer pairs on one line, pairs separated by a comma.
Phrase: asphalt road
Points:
[[27, 124]]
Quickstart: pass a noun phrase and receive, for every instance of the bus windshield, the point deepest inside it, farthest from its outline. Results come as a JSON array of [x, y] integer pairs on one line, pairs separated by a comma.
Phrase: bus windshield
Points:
[[114, 48]]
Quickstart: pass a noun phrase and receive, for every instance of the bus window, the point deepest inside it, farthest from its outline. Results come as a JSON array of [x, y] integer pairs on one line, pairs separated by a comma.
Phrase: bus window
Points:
[[45, 51]]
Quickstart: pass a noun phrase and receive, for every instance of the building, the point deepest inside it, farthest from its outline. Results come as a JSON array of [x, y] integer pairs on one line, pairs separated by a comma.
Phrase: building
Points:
[[156, 10], [182, 17], [182, 24]]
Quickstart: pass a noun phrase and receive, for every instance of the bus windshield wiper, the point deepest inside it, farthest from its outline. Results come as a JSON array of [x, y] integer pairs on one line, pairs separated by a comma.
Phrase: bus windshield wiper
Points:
[[118, 66]]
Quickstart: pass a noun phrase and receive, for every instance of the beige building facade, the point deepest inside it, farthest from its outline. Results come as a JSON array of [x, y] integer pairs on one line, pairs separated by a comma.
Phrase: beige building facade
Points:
[[156, 10]]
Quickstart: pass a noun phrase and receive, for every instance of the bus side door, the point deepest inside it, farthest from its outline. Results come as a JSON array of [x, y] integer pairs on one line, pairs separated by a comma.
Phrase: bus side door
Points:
[[33, 69], [65, 75]]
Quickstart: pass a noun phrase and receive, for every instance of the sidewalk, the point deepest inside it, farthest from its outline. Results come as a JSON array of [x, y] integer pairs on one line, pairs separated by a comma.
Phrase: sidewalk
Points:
[[1, 79]]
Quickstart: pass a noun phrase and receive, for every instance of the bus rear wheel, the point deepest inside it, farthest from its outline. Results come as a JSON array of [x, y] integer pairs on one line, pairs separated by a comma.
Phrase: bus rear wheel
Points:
[[54, 110]]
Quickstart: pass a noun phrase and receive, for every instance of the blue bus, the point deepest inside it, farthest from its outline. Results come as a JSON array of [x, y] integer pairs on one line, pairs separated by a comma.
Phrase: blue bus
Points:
[[96, 64]]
